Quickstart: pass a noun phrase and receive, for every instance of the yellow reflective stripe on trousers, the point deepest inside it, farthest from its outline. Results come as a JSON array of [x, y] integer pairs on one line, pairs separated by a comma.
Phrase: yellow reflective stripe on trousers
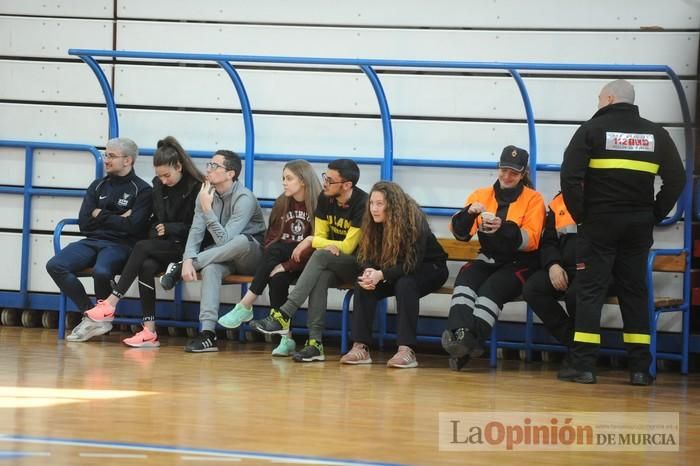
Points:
[[625, 164], [638, 338], [582, 337]]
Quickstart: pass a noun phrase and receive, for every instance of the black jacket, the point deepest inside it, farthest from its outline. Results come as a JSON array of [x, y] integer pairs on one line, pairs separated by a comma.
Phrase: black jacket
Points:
[[173, 206], [115, 195], [428, 250], [611, 162]]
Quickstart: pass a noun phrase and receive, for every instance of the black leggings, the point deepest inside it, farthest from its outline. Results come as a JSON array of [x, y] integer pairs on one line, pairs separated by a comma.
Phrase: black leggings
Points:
[[408, 289], [148, 258], [279, 284]]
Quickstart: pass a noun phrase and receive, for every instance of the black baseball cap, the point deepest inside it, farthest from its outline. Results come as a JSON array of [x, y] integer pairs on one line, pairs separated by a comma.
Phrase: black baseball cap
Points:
[[514, 158]]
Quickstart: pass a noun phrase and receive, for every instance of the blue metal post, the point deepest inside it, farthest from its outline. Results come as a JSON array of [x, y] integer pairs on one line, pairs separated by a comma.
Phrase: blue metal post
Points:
[[388, 164], [247, 120], [107, 92], [530, 124], [687, 211], [28, 191], [26, 224]]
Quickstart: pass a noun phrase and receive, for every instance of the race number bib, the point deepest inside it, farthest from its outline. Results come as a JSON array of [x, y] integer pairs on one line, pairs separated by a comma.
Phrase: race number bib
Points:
[[629, 142]]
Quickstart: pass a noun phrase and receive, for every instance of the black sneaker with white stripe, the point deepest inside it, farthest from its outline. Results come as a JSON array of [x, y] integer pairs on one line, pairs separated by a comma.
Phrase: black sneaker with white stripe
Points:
[[172, 275], [205, 342]]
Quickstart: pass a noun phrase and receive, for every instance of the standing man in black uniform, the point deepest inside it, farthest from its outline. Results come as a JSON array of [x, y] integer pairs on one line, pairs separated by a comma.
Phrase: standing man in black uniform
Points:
[[607, 179], [556, 280]]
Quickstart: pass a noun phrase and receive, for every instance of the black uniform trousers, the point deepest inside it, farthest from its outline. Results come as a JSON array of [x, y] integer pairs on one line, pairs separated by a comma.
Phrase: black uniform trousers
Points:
[[614, 244], [408, 289], [544, 299], [481, 289]]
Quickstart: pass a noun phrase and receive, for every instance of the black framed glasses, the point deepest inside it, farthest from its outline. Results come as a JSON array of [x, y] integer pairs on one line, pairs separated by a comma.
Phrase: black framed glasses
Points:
[[213, 166], [329, 181]]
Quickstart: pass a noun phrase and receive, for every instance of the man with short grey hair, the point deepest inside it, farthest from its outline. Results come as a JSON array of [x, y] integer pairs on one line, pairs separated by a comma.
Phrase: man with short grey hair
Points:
[[113, 216]]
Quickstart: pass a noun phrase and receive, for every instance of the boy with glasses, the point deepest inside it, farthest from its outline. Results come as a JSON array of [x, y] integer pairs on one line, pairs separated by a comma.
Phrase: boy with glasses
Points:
[[336, 235], [225, 238], [113, 216]]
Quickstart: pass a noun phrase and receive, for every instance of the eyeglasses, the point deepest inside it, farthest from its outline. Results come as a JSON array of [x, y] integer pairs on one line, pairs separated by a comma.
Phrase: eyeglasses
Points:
[[111, 156], [329, 181], [213, 166]]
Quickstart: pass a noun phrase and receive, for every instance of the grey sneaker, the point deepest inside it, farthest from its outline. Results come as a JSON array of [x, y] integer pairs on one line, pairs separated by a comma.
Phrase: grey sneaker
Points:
[[88, 328], [277, 322], [312, 351]]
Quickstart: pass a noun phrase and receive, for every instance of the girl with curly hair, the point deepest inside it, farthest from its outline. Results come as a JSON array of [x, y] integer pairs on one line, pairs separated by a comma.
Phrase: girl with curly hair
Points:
[[401, 257]]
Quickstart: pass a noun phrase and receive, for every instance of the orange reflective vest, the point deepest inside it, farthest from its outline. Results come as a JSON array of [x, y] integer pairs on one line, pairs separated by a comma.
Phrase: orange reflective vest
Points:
[[563, 221], [527, 211]]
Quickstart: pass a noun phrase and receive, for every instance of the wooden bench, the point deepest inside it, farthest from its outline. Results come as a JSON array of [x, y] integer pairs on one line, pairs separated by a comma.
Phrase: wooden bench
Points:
[[672, 261], [664, 260], [245, 280]]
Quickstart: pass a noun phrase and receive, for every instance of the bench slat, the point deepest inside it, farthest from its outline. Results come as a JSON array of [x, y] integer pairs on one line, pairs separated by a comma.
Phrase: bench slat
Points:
[[240, 279], [468, 250], [460, 250], [235, 279], [670, 263]]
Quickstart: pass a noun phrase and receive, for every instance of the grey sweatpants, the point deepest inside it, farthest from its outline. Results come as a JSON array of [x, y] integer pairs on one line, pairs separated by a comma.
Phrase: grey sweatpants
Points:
[[240, 255], [323, 271]]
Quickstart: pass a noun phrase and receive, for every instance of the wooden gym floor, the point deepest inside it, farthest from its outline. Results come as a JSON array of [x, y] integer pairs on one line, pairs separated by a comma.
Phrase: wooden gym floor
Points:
[[103, 403]]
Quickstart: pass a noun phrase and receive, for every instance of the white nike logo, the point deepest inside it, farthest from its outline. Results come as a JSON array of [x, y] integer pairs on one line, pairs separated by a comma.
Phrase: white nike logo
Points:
[[103, 197]]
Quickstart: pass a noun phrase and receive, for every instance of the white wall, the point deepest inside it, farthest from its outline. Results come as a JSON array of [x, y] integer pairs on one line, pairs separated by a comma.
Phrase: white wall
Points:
[[47, 95]]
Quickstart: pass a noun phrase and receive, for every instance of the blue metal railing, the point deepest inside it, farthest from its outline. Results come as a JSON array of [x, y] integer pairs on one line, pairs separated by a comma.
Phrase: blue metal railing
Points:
[[28, 191], [388, 160], [367, 66]]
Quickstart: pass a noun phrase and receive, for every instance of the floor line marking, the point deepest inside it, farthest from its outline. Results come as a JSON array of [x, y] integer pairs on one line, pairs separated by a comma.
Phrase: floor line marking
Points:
[[112, 455], [207, 458], [193, 451]]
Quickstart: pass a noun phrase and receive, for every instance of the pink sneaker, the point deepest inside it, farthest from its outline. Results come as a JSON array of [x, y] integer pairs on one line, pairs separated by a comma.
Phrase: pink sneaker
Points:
[[359, 354], [404, 358], [144, 339], [103, 311]]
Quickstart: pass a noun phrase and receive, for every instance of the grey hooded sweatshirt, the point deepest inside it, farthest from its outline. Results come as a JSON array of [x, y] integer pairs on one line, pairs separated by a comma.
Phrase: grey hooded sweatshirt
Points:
[[235, 212]]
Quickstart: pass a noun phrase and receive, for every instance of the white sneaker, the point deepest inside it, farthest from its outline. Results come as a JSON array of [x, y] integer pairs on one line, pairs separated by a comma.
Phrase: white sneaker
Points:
[[88, 328]]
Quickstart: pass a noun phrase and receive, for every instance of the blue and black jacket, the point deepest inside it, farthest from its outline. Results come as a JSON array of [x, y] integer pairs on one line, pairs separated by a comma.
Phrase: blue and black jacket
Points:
[[114, 196]]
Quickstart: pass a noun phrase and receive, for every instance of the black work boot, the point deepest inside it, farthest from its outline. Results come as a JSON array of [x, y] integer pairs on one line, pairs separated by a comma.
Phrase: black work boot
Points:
[[456, 364], [569, 373], [641, 378], [461, 345]]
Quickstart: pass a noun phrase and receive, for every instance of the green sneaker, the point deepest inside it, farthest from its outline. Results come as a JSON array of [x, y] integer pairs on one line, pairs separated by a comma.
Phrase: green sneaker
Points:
[[276, 323], [236, 316], [286, 347], [313, 351]]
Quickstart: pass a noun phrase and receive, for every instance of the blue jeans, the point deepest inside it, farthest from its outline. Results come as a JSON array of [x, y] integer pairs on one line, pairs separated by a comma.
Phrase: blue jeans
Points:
[[107, 259]]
